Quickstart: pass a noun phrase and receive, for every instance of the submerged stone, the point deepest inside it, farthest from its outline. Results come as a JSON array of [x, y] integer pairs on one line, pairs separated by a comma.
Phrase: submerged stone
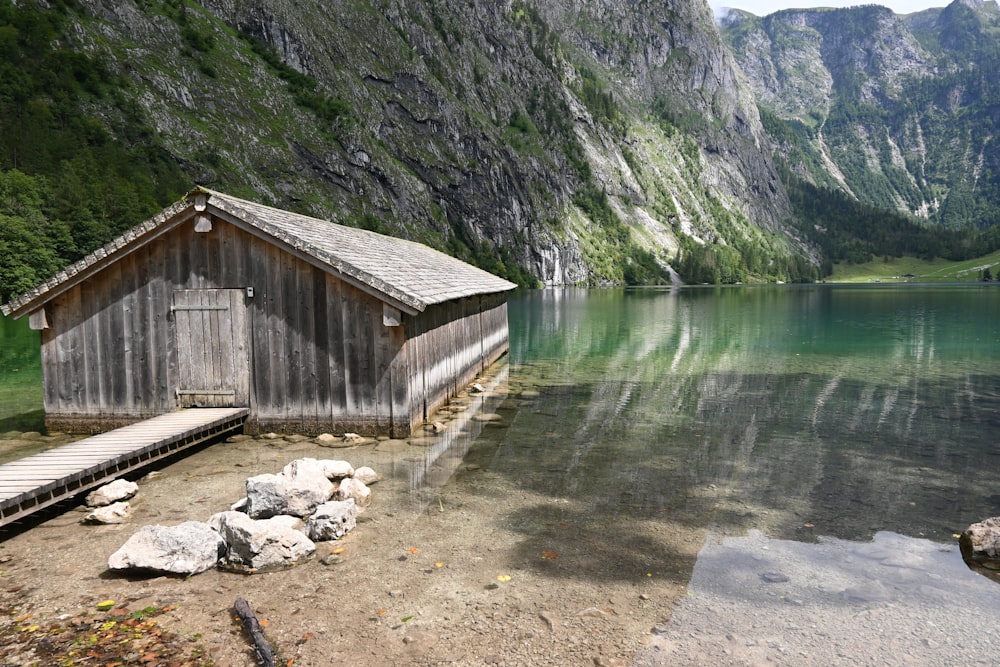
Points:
[[980, 545]]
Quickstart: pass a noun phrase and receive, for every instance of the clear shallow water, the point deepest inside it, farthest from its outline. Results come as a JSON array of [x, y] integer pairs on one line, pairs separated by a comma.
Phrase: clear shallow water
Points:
[[854, 409], [831, 440]]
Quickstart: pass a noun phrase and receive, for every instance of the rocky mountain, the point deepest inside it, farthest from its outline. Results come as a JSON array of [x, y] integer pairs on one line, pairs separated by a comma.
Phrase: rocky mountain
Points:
[[568, 141], [897, 111]]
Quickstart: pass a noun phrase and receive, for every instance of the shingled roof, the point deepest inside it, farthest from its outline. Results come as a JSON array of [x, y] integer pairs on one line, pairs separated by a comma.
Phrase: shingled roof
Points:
[[408, 273]]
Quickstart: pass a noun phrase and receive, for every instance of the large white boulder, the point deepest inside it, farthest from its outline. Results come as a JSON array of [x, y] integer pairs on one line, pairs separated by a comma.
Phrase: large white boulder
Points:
[[332, 520], [297, 494], [188, 548], [112, 492], [262, 544], [356, 489]]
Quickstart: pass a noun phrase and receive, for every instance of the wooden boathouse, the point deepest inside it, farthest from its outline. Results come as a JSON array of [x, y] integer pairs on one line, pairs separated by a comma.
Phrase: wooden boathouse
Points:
[[221, 302]]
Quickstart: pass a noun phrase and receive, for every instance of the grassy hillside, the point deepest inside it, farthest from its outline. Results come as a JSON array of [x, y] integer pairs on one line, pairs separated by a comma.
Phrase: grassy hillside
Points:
[[895, 269]]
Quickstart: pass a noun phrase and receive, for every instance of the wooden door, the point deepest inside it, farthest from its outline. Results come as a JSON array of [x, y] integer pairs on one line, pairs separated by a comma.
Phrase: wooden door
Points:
[[213, 360]]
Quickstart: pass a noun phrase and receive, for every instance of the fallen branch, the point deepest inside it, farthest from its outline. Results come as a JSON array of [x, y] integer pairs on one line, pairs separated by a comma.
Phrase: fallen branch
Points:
[[265, 655]]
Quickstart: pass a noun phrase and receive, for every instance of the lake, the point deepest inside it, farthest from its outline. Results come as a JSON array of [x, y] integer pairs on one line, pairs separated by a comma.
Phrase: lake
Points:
[[829, 441], [854, 409]]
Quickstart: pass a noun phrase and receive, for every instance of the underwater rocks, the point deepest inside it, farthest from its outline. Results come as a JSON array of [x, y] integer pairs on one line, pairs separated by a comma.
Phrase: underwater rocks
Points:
[[980, 545]]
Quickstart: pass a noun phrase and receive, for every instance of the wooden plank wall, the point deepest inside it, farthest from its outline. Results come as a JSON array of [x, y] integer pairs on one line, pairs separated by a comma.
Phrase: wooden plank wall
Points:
[[321, 357], [449, 344]]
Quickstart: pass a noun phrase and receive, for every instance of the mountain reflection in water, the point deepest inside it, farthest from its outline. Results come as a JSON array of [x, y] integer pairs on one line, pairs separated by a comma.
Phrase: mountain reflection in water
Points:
[[854, 409]]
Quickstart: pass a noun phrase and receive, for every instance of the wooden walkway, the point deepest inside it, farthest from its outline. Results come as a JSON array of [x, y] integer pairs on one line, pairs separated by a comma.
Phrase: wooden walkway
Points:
[[37, 481]]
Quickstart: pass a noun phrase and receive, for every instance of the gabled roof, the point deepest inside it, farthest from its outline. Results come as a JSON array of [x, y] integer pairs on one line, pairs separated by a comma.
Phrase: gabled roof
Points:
[[401, 272]]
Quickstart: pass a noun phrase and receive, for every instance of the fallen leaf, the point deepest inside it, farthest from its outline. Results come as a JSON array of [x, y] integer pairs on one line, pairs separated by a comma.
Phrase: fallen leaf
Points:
[[265, 622], [307, 636], [550, 555], [503, 577], [439, 564], [105, 605], [339, 550], [414, 550], [382, 612]]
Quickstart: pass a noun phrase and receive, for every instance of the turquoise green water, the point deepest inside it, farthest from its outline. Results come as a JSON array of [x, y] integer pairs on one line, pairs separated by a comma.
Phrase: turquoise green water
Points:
[[834, 410]]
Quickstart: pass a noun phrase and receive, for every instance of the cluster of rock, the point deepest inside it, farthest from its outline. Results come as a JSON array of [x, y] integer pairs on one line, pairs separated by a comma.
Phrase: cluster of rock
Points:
[[275, 526], [109, 504]]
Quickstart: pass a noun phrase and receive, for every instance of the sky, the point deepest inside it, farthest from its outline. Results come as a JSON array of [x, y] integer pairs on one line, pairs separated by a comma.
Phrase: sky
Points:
[[765, 7]]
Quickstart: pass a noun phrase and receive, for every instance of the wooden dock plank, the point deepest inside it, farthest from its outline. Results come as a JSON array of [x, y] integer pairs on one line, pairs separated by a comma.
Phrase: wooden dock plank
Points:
[[37, 481]]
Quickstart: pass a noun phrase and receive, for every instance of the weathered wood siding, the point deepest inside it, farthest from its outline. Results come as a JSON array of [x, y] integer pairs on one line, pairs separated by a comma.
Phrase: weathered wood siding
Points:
[[319, 356], [449, 344]]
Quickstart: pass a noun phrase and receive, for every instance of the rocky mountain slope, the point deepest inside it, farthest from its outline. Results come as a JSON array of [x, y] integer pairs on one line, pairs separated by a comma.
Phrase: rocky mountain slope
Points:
[[560, 142], [572, 141], [898, 111]]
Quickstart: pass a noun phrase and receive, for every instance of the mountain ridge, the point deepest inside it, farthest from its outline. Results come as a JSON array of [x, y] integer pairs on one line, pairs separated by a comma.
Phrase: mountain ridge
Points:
[[589, 142], [895, 110]]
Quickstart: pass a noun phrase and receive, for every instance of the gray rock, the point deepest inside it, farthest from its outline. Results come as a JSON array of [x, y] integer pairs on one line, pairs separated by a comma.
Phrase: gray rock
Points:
[[366, 475], [337, 469], [109, 514], [329, 468], [332, 520], [356, 489], [980, 544], [298, 495], [261, 545], [120, 489], [189, 548]]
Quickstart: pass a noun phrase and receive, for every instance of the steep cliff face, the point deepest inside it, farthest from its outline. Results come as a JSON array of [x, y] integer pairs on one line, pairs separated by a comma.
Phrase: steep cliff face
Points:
[[896, 110], [664, 55], [562, 137]]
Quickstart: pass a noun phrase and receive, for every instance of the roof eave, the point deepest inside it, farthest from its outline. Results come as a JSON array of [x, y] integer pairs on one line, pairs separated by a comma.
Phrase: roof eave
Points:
[[96, 261]]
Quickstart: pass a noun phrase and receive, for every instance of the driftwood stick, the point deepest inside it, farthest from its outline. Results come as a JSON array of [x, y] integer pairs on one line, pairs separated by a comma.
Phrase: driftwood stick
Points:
[[265, 656]]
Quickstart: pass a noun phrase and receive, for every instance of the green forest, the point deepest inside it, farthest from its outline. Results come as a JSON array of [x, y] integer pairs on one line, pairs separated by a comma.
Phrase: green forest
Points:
[[68, 181]]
